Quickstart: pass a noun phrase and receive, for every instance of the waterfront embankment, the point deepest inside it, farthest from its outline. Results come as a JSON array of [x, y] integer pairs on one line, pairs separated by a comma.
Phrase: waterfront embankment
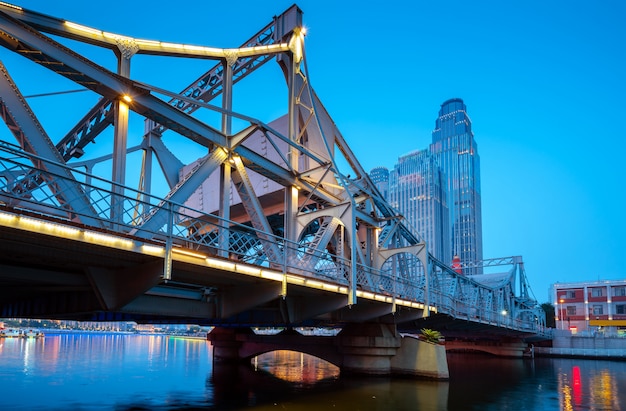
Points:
[[598, 346]]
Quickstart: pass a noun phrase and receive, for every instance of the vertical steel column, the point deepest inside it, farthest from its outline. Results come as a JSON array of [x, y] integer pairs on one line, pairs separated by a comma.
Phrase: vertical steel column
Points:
[[120, 142], [225, 170], [291, 192], [167, 264], [147, 165], [428, 267]]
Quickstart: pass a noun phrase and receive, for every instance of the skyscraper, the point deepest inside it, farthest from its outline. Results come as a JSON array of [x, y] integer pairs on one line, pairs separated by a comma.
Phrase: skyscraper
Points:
[[417, 188], [456, 151], [380, 178]]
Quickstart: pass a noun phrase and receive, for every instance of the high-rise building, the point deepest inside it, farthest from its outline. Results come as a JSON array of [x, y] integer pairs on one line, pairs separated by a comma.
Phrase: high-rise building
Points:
[[380, 178], [417, 188], [456, 151], [438, 189]]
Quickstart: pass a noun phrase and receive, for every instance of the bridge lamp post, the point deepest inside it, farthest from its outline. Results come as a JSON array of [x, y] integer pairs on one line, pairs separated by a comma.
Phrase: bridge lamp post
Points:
[[561, 301]]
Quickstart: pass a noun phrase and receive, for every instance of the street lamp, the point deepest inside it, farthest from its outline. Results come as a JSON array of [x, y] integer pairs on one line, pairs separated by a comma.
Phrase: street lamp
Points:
[[561, 301]]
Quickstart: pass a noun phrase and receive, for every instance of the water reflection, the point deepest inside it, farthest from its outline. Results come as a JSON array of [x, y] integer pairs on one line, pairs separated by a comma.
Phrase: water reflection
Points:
[[125, 372], [296, 367], [590, 385]]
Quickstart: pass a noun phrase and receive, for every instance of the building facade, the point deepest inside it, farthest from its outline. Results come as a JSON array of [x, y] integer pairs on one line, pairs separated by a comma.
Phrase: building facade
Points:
[[380, 178], [417, 188], [456, 152], [593, 306]]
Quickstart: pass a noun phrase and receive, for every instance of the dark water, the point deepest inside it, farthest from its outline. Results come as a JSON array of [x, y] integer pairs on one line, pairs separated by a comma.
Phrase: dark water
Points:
[[130, 372]]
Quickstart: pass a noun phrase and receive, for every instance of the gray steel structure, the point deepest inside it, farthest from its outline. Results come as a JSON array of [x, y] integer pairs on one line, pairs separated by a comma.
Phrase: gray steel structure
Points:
[[311, 223]]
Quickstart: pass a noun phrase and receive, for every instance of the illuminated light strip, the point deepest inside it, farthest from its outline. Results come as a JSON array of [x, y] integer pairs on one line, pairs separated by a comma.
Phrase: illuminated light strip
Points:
[[42, 226], [173, 45], [144, 42], [222, 265], [212, 51], [110, 240], [313, 283], [153, 249], [10, 5], [188, 253], [246, 269], [295, 279], [116, 36], [8, 218], [82, 28], [272, 275]]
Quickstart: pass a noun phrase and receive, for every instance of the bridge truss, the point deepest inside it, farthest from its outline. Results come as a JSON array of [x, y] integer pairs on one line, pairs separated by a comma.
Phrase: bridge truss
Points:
[[265, 195]]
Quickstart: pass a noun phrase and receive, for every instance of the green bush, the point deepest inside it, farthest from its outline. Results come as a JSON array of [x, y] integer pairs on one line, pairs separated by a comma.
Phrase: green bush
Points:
[[431, 336]]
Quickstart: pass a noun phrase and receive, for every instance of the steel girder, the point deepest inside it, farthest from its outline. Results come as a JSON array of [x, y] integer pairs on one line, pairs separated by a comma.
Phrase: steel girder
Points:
[[255, 211], [158, 217], [33, 139]]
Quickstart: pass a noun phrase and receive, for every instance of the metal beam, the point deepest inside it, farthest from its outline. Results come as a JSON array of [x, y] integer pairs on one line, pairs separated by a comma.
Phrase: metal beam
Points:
[[255, 211], [181, 193], [24, 40], [33, 139]]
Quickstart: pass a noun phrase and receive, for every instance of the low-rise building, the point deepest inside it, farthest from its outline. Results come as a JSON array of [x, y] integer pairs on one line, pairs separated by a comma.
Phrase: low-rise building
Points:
[[590, 306]]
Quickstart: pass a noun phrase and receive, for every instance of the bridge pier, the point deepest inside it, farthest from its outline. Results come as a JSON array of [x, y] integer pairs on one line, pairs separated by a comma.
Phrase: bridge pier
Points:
[[227, 343], [368, 348], [374, 349]]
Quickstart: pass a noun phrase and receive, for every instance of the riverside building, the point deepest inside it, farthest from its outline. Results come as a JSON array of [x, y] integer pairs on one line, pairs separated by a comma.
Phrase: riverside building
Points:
[[594, 306]]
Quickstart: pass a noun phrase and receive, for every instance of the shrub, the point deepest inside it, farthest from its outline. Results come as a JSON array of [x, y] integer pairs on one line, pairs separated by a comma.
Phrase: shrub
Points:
[[432, 336]]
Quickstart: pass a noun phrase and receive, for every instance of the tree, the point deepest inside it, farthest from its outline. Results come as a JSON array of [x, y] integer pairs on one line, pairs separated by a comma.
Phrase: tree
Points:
[[548, 308]]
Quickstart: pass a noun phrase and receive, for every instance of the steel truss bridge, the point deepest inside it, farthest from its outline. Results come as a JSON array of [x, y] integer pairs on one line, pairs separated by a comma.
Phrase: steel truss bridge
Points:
[[262, 229]]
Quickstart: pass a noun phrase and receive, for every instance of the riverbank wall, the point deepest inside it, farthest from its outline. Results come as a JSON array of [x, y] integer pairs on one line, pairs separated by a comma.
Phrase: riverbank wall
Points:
[[585, 346]]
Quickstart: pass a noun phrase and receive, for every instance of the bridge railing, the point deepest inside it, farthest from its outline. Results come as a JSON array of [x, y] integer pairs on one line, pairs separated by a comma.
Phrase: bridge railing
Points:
[[26, 183]]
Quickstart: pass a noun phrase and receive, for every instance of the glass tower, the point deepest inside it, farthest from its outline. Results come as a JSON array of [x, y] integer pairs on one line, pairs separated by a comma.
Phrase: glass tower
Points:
[[456, 152], [417, 188], [380, 178]]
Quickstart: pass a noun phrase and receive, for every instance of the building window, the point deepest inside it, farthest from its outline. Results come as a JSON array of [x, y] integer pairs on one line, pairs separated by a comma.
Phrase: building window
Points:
[[571, 310], [619, 291], [597, 310], [620, 308], [570, 294], [597, 292]]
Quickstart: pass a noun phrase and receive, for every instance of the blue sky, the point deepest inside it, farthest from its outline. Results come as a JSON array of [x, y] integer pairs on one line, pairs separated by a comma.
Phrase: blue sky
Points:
[[544, 84]]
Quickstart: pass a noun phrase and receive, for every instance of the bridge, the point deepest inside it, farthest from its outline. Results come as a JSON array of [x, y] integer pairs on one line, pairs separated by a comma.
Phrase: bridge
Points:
[[273, 224]]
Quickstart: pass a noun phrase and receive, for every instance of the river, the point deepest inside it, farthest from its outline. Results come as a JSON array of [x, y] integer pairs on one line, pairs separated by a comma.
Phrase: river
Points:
[[149, 372]]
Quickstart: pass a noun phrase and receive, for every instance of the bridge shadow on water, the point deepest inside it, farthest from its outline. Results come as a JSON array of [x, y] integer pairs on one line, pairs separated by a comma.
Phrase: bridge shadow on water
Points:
[[244, 387]]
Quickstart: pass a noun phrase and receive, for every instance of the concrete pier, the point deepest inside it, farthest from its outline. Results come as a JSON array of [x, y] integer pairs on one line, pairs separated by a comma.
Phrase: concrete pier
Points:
[[365, 349]]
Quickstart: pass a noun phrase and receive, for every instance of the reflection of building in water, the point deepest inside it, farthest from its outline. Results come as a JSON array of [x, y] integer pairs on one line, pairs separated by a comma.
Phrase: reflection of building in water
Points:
[[603, 391], [598, 306], [296, 366], [590, 389]]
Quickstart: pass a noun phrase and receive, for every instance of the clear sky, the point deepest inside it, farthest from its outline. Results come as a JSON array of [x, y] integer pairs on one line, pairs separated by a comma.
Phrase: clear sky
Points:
[[544, 83]]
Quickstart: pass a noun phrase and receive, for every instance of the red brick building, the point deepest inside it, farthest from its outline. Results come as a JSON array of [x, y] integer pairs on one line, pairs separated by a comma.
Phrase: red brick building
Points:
[[590, 306]]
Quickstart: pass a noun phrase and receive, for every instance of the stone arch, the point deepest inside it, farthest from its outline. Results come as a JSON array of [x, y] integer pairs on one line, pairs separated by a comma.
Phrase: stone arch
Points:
[[324, 351]]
